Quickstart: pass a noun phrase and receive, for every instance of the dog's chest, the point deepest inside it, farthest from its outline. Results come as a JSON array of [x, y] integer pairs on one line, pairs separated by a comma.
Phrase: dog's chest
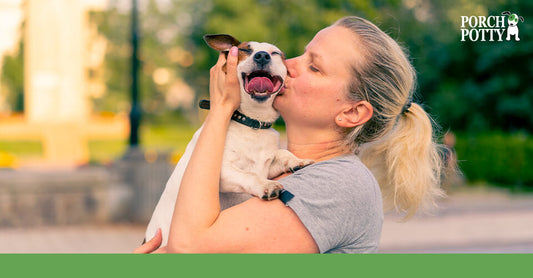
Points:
[[250, 149]]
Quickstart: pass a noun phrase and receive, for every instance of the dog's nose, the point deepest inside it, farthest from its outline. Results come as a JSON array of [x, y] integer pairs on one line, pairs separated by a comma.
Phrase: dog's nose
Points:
[[262, 58]]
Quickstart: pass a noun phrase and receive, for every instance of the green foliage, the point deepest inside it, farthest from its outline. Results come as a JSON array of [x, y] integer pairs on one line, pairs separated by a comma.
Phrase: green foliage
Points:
[[170, 26], [468, 86], [13, 78], [165, 32], [475, 86], [497, 157]]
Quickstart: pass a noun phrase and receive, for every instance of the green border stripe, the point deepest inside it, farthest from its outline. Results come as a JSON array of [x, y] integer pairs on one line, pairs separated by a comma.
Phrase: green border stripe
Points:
[[374, 265]]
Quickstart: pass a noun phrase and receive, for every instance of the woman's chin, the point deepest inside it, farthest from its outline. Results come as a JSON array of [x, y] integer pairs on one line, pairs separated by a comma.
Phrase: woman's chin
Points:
[[278, 101]]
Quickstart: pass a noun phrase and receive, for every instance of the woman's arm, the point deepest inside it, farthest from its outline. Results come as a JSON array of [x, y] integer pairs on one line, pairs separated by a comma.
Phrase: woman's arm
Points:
[[197, 206], [254, 226]]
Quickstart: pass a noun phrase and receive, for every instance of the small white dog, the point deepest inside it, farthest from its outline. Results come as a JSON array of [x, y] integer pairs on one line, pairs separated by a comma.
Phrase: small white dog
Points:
[[251, 155], [512, 29]]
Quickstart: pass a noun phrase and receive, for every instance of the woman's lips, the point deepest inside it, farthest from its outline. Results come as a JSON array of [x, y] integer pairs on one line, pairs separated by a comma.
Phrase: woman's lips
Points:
[[282, 91]]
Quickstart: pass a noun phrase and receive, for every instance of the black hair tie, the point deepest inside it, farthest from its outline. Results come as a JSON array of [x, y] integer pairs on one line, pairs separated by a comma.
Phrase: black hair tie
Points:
[[406, 107]]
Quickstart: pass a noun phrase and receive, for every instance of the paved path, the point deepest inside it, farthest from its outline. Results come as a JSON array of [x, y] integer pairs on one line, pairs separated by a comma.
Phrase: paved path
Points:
[[469, 221]]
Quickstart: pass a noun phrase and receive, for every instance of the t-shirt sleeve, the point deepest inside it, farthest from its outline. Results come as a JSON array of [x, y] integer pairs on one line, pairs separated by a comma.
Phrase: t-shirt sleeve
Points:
[[339, 203]]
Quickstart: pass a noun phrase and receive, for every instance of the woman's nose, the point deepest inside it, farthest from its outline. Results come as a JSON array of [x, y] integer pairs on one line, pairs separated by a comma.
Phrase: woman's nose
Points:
[[291, 67]]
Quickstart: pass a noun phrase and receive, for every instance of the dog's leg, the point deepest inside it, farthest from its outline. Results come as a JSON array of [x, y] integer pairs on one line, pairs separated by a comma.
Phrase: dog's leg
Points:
[[233, 179], [285, 161]]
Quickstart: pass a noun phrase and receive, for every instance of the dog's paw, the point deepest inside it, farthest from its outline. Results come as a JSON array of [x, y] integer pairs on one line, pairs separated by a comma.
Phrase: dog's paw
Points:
[[298, 164], [271, 190], [286, 162]]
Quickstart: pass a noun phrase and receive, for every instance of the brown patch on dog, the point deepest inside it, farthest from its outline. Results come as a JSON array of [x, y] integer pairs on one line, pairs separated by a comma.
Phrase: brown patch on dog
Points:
[[243, 50]]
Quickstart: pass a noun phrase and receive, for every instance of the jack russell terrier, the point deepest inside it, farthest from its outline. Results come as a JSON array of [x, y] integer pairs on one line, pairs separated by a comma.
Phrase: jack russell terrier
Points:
[[251, 153]]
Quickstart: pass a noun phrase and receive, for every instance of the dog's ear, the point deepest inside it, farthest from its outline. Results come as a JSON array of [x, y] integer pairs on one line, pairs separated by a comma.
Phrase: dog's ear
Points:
[[221, 42], [506, 13]]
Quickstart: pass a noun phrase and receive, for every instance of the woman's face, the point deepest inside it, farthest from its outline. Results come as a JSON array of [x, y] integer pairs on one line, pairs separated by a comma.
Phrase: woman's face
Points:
[[315, 89]]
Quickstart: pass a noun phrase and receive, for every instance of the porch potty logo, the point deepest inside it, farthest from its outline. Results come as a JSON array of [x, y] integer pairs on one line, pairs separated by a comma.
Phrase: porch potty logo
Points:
[[490, 28]]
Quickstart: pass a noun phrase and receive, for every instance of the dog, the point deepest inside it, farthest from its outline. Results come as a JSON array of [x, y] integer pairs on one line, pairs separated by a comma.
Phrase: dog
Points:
[[512, 29], [252, 155]]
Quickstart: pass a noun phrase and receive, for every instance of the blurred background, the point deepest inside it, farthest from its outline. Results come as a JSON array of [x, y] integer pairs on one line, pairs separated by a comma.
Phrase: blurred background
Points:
[[98, 100]]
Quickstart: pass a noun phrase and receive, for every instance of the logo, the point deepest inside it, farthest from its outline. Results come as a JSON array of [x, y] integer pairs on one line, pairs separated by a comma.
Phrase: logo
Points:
[[512, 20], [490, 28]]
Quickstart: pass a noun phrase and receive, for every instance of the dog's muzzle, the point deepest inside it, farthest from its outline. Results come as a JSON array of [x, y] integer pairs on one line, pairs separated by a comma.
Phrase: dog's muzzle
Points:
[[260, 84]]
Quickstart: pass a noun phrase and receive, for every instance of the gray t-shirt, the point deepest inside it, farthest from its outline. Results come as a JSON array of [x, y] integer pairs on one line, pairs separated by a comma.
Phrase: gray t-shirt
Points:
[[340, 204]]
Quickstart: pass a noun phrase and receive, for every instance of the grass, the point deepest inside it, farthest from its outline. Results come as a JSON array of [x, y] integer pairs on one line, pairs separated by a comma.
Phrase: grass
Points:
[[22, 148], [14, 152], [158, 138], [167, 137]]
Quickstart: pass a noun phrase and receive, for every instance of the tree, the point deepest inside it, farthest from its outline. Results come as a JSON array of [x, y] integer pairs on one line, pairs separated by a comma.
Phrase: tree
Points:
[[13, 78], [472, 86], [469, 86]]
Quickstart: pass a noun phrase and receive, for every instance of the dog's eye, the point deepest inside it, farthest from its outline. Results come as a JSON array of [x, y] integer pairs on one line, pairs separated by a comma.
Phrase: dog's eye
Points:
[[245, 50], [279, 53]]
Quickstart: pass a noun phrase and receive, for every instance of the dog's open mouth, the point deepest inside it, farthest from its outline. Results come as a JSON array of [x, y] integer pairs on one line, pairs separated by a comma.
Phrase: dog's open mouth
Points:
[[261, 85]]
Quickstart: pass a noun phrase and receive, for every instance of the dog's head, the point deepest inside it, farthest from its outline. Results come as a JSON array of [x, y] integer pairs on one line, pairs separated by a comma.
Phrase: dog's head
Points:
[[512, 19], [261, 70]]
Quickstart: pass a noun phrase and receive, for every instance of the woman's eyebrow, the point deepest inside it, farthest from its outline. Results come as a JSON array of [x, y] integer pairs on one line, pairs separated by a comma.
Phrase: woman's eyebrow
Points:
[[315, 57], [318, 60]]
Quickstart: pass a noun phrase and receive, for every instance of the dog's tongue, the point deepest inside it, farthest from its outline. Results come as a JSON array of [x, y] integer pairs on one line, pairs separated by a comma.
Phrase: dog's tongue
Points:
[[260, 85]]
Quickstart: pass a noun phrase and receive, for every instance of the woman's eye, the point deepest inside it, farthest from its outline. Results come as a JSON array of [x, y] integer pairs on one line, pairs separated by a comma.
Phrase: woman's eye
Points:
[[313, 68]]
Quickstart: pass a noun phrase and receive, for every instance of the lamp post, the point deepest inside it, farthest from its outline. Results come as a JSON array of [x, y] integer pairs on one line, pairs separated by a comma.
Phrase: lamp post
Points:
[[145, 178], [136, 111]]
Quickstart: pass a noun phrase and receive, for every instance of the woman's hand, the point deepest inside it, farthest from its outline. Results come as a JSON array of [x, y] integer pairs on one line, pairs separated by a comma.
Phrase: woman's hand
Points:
[[152, 245], [224, 86]]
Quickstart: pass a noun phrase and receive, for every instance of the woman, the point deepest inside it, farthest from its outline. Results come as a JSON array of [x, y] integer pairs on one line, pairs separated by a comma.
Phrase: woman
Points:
[[346, 105]]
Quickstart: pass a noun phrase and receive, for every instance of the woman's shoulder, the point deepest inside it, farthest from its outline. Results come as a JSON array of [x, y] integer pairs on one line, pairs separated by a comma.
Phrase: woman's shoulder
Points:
[[338, 201], [345, 170], [343, 179], [340, 163]]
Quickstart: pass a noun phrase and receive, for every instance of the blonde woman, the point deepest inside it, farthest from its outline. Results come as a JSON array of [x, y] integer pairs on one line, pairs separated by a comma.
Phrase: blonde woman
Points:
[[347, 104]]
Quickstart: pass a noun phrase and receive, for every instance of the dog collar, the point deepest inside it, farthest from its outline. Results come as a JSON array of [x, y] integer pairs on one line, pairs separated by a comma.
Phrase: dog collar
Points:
[[247, 121], [240, 118]]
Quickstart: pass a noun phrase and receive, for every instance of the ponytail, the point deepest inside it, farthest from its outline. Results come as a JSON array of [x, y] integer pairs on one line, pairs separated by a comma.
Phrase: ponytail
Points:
[[397, 143], [406, 163]]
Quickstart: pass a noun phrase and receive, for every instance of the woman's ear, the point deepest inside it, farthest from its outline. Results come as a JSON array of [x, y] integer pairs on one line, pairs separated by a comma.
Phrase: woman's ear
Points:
[[355, 115]]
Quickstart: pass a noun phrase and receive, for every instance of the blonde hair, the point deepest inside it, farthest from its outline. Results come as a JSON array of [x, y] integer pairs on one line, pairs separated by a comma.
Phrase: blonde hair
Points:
[[397, 143]]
